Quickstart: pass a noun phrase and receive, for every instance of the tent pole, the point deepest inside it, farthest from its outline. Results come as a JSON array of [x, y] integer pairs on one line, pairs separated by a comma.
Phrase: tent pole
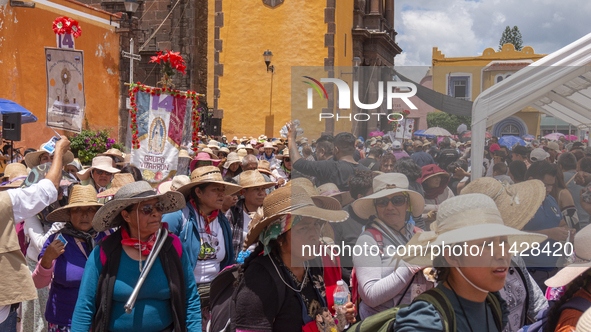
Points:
[[11, 151]]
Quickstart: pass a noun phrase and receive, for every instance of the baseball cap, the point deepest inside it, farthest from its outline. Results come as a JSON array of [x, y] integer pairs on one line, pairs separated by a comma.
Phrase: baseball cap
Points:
[[538, 154], [494, 147], [554, 146], [396, 145]]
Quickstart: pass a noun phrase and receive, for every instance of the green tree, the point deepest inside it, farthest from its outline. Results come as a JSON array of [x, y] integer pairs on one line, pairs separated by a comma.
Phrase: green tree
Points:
[[511, 36], [447, 121]]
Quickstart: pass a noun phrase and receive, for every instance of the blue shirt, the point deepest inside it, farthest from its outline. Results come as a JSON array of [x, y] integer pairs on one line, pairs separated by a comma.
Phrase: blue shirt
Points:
[[152, 310], [548, 216], [422, 158]]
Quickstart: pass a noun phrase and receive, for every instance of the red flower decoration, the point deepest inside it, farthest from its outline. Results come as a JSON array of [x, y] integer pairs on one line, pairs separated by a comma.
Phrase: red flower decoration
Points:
[[172, 59], [64, 25]]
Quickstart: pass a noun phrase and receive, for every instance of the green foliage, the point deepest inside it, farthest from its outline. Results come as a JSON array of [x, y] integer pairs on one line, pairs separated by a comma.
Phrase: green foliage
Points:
[[511, 36], [447, 121], [89, 143]]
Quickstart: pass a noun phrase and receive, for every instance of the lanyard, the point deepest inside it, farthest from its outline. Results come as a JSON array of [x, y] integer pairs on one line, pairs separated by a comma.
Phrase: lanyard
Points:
[[79, 243]]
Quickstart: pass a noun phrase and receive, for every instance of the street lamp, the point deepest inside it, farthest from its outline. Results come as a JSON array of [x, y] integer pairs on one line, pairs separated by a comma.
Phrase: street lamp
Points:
[[268, 55], [131, 7], [356, 61]]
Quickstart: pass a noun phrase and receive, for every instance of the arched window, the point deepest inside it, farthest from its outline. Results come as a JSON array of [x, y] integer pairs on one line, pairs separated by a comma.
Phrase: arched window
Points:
[[499, 79], [510, 129]]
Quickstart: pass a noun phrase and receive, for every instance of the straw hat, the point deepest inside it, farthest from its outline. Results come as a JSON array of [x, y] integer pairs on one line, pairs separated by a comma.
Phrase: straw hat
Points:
[[126, 160], [119, 180], [210, 152], [252, 179], [32, 158], [289, 200], [417, 143], [241, 153], [517, 203], [232, 158], [174, 184], [331, 190], [15, 180], [581, 264], [264, 167], [466, 218], [584, 322], [184, 154], [103, 163], [324, 202], [213, 144], [109, 216], [385, 185], [207, 174], [269, 145], [284, 153], [235, 138], [116, 153], [80, 196], [225, 150], [76, 163], [12, 168], [249, 147]]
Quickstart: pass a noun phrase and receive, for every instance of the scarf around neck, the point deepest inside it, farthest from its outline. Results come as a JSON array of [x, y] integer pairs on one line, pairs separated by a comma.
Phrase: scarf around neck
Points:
[[88, 236], [145, 247]]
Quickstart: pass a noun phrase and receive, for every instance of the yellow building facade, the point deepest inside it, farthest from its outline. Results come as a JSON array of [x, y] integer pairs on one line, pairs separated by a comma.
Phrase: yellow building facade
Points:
[[25, 32], [299, 33], [467, 77]]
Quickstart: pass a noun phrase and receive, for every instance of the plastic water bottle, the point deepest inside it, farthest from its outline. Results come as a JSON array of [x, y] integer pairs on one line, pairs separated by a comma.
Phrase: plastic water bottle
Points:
[[340, 296]]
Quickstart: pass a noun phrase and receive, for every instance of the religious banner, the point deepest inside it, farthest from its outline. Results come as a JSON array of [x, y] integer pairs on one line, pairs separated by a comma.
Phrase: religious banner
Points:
[[160, 118], [400, 128], [65, 89]]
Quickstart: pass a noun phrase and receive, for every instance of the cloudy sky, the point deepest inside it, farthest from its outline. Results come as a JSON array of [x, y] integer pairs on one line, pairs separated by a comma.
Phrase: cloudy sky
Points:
[[466, 28]]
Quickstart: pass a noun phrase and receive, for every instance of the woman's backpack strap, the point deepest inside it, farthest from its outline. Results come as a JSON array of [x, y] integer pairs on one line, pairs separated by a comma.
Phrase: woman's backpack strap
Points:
[[495, 306], [437, 298]]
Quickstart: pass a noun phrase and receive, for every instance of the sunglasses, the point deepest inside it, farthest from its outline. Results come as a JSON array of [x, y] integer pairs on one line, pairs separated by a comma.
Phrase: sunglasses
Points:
[[148, 209], [100, 172], [395, 200], [287, 160]]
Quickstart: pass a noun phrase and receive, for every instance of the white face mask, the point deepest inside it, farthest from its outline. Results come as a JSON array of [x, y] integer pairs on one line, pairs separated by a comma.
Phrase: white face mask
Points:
[[470, 282]]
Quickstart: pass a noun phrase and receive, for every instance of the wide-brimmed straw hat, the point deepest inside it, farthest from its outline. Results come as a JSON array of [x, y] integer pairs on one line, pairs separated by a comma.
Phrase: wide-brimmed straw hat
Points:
[[232, 158], [203, 156], [264, 167], [324, 202], [115, 153], [584, 322], [269, 145], [210, 152], [109, 216], [15, 180], [208, 174], [80, 196], [174, 184], [254, 179], [12, 168], [184, 153], [213, 144], [249, 147], [119, 180], [466, 218], [582, 260], [385, 185], [289, 200], [225, 150], [32, 158], [103, 163], [284, 153], [331, 190], [517, 203], [241, 153]]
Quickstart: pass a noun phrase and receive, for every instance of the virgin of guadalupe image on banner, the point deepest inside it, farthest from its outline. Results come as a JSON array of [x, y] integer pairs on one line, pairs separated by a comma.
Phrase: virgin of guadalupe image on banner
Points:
[[160, 120]]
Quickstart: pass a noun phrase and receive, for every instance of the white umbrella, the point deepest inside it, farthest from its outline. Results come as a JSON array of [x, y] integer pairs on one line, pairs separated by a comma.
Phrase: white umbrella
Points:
[[437, 131]]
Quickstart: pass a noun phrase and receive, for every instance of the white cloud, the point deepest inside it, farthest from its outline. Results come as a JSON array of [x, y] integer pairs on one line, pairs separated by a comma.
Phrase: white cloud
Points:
[[466, 28]]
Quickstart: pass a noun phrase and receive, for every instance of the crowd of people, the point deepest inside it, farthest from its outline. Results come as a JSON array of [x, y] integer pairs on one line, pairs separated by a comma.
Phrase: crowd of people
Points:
[[233, 241]]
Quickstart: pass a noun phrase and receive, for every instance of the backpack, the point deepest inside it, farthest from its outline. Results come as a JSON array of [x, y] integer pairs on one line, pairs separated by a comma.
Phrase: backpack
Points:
[[577, 303], [222, 296], [384, 321]]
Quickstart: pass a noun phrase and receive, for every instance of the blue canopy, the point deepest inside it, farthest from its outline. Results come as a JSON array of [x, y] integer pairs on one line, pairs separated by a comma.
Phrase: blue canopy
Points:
[[529, 136], [509, 141], [421, 133], [7, 106]]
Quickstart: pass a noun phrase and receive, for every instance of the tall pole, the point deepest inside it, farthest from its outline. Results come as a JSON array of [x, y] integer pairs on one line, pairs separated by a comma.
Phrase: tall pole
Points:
[[131, 61]]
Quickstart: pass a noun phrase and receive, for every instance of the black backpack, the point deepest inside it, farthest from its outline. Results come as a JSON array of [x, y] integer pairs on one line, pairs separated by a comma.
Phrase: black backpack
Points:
[[223, 295], [446, 157]]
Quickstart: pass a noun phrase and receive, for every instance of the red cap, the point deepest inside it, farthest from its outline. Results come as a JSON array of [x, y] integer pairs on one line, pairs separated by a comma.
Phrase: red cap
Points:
[[494, 147]]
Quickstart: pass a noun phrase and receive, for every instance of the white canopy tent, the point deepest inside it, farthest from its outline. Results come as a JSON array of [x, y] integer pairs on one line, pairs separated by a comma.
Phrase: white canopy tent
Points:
[[558, 84]]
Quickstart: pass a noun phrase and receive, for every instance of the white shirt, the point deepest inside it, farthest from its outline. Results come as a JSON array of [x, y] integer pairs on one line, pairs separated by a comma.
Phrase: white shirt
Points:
[[27, 202], [38, 236], [245, 224], [212, 253]]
